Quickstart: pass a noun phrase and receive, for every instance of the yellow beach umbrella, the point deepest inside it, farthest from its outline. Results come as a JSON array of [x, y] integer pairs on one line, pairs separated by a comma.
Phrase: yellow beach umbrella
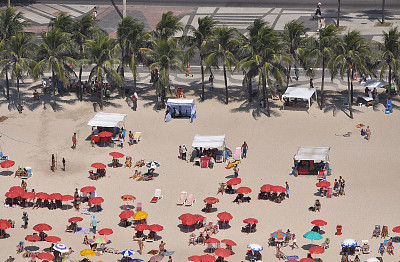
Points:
[[70, 259], [87, 253], [140, 215]]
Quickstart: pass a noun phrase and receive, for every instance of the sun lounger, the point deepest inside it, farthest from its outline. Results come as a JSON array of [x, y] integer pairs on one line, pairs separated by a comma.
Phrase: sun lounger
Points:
[[190, 200], [137, 137], [157, 196], [182, 199]]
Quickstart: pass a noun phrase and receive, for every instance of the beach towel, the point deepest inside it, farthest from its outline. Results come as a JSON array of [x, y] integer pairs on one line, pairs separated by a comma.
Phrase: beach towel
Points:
[[85, 212], [83, 230]]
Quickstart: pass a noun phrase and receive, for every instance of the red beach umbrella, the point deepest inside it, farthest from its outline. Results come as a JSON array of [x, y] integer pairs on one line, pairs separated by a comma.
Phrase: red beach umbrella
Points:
[[189, 221], [250, 221], [12, 194], [106, 231], [96, 200], [156, 228], [184, 216], [396, 229], [42, 227], [207, 258], [67, 198], [228, 242], [211, 200], [266, 188], [7, 164], [52, 239], [316, 250], [45, 256], [199, 217], [278, 189], [32, 238], [105, 134], [244, 190], [224, 216], [88, 189], [234, 181], [28, 195], [142, 227], [319, 222], [292, 260], [222, 252], [116, 155], [212, 240], [126, 214], [75, 219], [55, 196], [194, 259], [99, 166], [307, 260], [4, 224], [42, 195], [17, 189], [128, 197], [323, 184]]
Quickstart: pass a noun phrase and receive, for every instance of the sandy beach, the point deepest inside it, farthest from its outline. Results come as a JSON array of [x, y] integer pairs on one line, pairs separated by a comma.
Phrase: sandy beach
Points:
[[369, 168]]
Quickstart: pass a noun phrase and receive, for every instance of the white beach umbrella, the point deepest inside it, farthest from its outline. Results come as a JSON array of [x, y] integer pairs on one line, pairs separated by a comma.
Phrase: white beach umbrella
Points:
[[372, 259], [255, 247], [153, 164], [347, 243], [61, 248]]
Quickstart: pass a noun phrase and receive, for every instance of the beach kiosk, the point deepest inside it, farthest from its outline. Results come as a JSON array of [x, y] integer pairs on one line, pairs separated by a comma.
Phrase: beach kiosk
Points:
[[208, 149], [312, 161], [110, 122], [182, 108], [293, 93]]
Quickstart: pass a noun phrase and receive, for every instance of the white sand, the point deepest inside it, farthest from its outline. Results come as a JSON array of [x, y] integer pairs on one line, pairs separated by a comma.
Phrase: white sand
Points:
[[369, 169]]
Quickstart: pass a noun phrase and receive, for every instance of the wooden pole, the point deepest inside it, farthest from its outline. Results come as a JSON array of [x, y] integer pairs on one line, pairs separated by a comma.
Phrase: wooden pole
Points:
[[124, 8]]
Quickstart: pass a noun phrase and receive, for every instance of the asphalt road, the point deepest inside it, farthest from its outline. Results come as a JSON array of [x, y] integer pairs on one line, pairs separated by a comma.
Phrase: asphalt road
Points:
[[295, 4]]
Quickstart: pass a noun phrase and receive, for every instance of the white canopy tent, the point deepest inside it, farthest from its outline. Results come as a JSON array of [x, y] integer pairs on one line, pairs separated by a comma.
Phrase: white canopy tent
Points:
[[312, 153], [301, 93], [185, 107], [372, 83], [107, 119], [209, 141]]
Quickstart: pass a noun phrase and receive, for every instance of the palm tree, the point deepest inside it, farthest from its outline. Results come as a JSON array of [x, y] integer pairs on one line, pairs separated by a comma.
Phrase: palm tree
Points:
[[338, 14], [320, 50], [390, 53], [63, 22], [168, 26], [55, 55], [11, 23], [84, 29], [353, 53], [200, 39], [267, 54], [132, 39], [165, 55], [102, 54], [223, 47], [293, 38], [19, 59]]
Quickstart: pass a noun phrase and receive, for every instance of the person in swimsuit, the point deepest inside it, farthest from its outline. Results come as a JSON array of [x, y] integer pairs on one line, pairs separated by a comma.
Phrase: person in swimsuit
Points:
[[162, 248]]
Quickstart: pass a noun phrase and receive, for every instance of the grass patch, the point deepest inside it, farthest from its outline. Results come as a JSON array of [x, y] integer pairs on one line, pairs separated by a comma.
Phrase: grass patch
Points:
[[383, 24]]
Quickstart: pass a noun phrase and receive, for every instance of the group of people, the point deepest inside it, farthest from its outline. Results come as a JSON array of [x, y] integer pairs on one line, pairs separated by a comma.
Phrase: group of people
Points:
[[53, 166], [182, 152], [338, 187]]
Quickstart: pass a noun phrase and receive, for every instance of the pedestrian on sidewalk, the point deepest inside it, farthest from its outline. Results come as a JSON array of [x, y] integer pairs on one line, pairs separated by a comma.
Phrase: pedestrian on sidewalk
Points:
[[94, 13], [318, 10], [311, 83], [211, 80], [296, 72]]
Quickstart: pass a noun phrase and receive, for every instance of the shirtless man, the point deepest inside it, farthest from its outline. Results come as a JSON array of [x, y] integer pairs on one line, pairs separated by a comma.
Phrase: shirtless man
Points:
[[368, 132], [74, 141], [162, 248]]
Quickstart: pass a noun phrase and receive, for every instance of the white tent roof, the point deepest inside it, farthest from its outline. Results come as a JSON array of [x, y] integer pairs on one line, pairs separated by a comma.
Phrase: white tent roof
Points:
[[312, 153], [299, 92], [372, 83], [180, 101], [107, 119], [208, 141]]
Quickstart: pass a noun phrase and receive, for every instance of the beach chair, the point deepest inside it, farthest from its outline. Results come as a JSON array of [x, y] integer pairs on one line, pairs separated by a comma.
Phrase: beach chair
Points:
[[329, 192], [238, 153], [182, 199], [137, 137], [190, 200], [365, 247], [157, 196]]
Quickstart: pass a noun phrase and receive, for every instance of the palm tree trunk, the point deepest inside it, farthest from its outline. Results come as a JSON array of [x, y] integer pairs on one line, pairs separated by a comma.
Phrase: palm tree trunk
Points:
[[351, 86], [265, 97], [226, 86], [349, 94], [80, 84], [7, 87], [390, 81], [123, 77], [101, 94], [134, 81], [53, 82], [383, 11], [323, 82], [338, 14], [202, 81], [288, 76], [250, 85], [18, 98]]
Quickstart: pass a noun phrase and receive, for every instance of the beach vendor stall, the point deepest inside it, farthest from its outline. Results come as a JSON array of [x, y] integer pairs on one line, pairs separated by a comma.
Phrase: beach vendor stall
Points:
[[208, 149], [108, 125], [312, 161], [180, 108], [294, 94]]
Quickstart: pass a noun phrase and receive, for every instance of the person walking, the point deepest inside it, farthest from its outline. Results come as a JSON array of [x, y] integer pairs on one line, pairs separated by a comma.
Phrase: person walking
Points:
[[134, 100], [74, 141], [311, 83], [53, 163], [25, 219], [63, 162], [341, 185], [294, 241], [93, 224], [184, 150], [180, 152], [287, 189], [296, 72], [141, 246], [211, 80], [94, 13], [188, 69], [368, 132], [318, 10], [162, 248], [244, 149]]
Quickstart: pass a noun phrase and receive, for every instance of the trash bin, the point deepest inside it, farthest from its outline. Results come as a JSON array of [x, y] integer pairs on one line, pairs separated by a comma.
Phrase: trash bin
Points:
[[112, 144]]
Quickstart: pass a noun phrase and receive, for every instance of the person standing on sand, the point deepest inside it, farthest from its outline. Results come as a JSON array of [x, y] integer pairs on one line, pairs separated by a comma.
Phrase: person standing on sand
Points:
[[141, 246], [211, 80], [368, 132], [74, 141], [244, 149], [236, 171], [162, 248], [53, 163], [180, 152], [287, 189], [63, 162], [93, 224], [294, 241], [25, 219]]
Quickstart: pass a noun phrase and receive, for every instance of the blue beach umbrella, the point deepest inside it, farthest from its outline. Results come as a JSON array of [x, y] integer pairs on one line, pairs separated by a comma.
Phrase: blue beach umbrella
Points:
[[127, 252], [312, 235]]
